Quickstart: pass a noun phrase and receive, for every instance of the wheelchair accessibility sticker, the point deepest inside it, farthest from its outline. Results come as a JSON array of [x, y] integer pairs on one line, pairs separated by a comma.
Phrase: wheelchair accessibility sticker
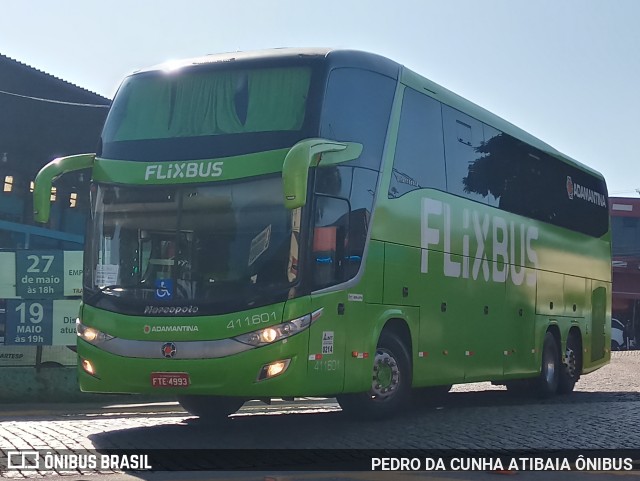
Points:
[[164, 289]]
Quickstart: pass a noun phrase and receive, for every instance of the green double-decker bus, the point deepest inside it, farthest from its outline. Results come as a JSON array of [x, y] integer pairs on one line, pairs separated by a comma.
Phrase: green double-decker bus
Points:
[[314, 222]]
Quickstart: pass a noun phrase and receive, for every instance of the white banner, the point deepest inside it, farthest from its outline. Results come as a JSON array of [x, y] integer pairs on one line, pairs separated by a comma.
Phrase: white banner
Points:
[[7, 275], [72, 273], [65, 313]]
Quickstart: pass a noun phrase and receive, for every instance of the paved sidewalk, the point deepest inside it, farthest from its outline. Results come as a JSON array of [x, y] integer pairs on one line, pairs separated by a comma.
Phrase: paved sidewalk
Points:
[[621, 375], [603, 413], [12, 411]]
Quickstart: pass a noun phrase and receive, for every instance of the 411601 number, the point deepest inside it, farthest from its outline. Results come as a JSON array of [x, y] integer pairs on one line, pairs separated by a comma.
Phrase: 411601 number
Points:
[[254, 320]]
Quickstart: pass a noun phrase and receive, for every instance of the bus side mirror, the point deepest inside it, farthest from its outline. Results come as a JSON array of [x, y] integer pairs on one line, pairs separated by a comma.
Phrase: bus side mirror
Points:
[[311, 153], [46, 176]]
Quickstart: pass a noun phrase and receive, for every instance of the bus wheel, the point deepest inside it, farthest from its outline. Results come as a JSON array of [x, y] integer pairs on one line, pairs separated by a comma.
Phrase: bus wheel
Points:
[[546, 384], [390, 385], [210, 408], [572, 366]]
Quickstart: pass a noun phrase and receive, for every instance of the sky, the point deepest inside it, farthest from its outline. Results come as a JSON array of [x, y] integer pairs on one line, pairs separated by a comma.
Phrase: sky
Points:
[[567, 71]]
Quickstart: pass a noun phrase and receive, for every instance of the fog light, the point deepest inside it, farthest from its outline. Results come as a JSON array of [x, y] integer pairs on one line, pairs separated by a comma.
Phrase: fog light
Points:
[[88, 367], [274, 369]]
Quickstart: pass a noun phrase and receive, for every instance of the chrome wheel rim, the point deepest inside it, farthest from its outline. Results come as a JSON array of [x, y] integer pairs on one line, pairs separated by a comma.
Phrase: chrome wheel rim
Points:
[[386, 375], [571, 362]]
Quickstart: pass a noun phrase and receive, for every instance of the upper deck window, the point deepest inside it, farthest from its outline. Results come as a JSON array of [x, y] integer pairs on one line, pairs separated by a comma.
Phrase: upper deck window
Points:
[[231, 102], [199, 113]]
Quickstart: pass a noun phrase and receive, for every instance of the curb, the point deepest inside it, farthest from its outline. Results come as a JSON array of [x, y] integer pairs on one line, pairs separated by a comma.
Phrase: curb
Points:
[[634, 352], [117, 407], [71, 409]]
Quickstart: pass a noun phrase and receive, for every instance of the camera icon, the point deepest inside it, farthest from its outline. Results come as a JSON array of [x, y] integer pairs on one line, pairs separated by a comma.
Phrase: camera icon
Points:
[[23, 460]]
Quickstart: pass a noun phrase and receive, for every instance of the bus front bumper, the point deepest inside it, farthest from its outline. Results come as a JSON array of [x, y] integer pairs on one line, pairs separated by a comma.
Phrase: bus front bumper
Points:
[[246, 374]]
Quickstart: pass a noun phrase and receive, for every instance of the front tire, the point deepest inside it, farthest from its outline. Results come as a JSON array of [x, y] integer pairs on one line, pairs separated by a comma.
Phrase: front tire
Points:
[[390, 386], [210, 408]]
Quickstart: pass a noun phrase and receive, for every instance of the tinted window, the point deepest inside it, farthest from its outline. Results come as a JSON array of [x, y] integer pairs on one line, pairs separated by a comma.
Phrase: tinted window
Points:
[[330, 241], [490, 133], [359, 186], [356, 109], [526, 181], [462, 136], [334, 180], [419, 156]]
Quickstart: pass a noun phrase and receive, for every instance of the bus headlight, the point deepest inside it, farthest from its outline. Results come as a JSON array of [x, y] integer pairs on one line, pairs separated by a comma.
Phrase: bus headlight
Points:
[[90, 334], [271, 334]]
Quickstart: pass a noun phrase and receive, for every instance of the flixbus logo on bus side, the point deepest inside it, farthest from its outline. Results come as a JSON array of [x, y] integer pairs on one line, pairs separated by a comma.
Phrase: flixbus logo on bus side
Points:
[[183, 170], [507, 245]]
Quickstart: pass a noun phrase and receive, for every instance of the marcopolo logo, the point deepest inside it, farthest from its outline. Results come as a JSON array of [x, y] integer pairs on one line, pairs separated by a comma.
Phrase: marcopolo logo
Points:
[[183, 170], [170, 310]]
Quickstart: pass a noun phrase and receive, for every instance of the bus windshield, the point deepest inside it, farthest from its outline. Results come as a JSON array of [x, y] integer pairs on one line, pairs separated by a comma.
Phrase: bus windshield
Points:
[[214, 245], [165, 116]]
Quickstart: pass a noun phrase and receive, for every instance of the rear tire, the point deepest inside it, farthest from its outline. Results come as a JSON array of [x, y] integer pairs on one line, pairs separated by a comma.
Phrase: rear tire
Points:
[[390, 386], [546, 384], [572, 366], [210, 408]]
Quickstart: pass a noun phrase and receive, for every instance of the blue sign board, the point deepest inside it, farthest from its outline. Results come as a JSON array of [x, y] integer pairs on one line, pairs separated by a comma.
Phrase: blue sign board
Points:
[[29, 323], [40, 274]]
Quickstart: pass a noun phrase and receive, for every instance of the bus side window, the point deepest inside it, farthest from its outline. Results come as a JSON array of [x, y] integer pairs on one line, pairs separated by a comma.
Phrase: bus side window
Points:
[[463, 135], [419, 155], [355, 242], [330, 241]]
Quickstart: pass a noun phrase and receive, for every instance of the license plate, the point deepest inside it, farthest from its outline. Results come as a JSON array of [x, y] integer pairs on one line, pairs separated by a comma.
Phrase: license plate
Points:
[[169, 379]]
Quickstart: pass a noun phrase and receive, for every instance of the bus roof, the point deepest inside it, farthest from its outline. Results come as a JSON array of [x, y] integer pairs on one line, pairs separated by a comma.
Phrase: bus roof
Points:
[[239, 56], [377, 63], [336, 58]]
